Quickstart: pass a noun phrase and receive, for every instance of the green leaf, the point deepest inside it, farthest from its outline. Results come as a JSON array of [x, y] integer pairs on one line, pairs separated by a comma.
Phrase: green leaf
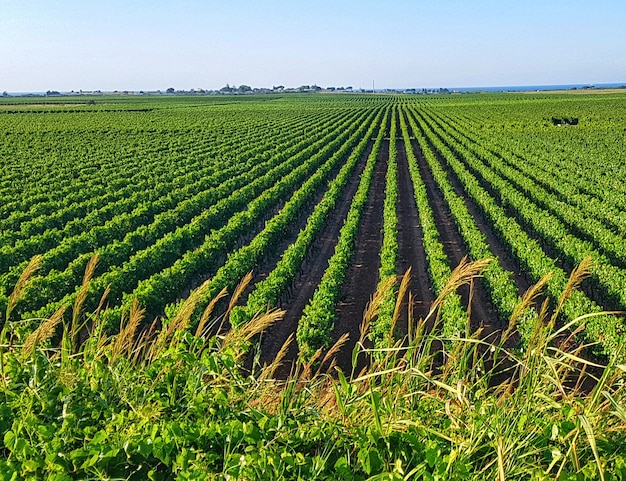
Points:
[[9, 440], [89, 462], [32, 465], [341, 463], [432, 455], [145, 447]]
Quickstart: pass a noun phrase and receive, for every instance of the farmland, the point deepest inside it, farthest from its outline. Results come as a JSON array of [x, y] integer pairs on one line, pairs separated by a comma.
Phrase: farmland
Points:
[[327, 200], [172, 192]]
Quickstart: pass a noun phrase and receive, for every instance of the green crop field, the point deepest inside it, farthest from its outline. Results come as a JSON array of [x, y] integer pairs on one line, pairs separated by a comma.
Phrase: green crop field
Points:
[[323, 286]]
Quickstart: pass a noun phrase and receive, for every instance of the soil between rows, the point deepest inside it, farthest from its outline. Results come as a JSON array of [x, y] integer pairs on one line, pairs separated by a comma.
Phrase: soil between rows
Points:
[[312, 270], [411, 246], [590, 288], [508, 261], [505, 258], [483, 313], [362, 276], [521, 278]]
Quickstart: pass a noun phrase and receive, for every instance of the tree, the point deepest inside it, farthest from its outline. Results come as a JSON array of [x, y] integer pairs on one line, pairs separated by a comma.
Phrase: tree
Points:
[[170, 90]]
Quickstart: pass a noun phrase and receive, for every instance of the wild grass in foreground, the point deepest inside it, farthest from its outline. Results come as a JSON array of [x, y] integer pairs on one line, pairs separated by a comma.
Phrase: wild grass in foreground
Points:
[[168, 403]]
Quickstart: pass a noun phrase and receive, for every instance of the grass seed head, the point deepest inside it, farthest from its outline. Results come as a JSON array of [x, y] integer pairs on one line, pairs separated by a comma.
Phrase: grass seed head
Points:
[[43, 332], [25, 278]]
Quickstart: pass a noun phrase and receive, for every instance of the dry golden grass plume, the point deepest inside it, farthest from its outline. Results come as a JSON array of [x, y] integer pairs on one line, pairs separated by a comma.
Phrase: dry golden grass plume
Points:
[[269, 371], [144, 343], [183, 317], [103, 299], [373, 306], [125, 339], [245, 332], [33, 266], [578, 275], [206, 315], [84, 290], [461, 275], [239, 290], [43, 332], [402, 290], [307, 367], [528, 300], [75, 326], [332, 352]]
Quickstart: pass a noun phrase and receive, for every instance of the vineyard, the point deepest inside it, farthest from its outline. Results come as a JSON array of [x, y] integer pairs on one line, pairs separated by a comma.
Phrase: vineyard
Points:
[[327, 200], [322, 200]]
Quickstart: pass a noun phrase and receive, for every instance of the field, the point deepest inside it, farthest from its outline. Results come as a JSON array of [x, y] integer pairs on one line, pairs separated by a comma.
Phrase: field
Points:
[[327, 200]]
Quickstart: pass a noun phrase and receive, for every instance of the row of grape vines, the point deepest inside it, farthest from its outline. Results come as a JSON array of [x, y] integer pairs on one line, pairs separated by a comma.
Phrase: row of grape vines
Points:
[[169, 194]]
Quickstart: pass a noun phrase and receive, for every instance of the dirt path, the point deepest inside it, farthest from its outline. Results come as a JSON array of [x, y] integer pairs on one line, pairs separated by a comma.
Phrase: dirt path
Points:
[[411, 247], [362, 276], [312, 270]]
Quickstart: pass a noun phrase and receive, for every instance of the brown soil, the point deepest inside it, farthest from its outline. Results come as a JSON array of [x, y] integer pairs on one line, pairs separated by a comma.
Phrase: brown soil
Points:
[[482, 311], [523, 283], [268, 263], [411, 247], [506, 259], [312, 269], [362, 276]]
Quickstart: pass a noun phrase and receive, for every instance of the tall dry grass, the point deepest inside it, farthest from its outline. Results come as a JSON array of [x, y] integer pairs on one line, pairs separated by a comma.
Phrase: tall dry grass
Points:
[[483, 409]]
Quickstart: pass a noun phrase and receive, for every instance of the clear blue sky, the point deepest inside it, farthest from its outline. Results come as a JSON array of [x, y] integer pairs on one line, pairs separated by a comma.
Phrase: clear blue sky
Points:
[[144, 45]]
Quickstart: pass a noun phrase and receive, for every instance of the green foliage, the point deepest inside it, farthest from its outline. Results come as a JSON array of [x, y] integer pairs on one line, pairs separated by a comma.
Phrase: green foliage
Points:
[[499, 281], [453, 315], [318, 318], [171, 191], [246, 258], [381, 329], [267, 292], [606, 331], [177, 406]]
